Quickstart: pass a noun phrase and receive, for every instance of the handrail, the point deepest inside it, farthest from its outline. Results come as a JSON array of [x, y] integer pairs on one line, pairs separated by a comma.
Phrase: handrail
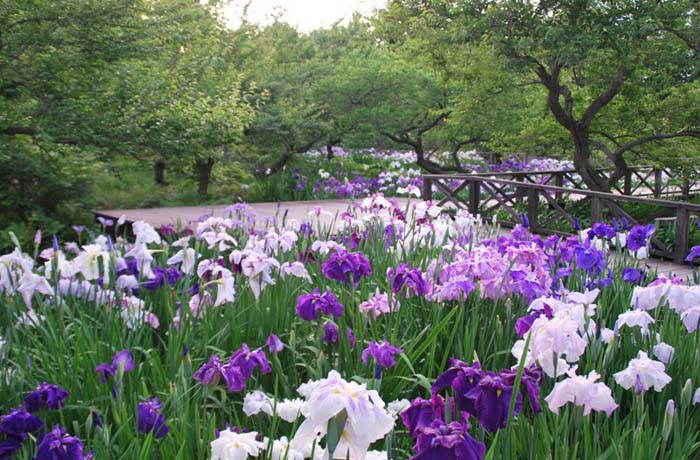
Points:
[[502, 196], [553, 171], [554, 188]]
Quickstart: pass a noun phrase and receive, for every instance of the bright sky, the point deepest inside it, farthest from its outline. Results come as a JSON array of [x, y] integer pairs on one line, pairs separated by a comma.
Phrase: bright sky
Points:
[[306, 15]]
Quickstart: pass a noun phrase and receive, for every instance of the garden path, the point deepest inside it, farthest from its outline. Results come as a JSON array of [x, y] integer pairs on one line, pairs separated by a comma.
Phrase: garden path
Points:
[[298, 210]]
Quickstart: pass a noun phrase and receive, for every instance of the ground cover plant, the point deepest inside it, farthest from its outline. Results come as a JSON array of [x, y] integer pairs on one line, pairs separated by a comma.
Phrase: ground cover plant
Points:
[[401, 333]]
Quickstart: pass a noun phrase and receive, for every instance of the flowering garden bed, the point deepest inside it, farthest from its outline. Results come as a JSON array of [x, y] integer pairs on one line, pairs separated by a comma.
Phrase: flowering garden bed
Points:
[[407, 333]]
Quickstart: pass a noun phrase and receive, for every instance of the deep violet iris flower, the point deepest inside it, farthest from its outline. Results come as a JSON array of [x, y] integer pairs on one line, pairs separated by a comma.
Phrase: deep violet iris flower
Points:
[[312, 306], [343, 265]]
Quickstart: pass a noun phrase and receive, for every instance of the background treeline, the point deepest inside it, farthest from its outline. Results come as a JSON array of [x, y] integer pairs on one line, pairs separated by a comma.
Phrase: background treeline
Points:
[[107, 103]]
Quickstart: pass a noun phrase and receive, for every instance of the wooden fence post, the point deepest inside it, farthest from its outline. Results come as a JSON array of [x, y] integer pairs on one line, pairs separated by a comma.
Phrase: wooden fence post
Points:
[[559, 182], [474, 197], [627, 190], [533, 202], [682, 237], [427, 188], [658, 186]]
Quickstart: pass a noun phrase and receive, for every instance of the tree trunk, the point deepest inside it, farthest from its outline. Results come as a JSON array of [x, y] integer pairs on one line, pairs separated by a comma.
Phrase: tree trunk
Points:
[[329, 152], [582, 162], [159, 171], [204, 168]]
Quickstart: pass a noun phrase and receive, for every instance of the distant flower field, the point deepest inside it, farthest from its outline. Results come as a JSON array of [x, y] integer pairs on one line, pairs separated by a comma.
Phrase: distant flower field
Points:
[[401, 333]]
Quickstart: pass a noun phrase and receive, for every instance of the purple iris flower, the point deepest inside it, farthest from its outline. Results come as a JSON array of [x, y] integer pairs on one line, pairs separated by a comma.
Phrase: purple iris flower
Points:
[[167, 230], [408, 276], [210, 373], [589, 258], [330, 334], [104, 221], [524, 220], [46, 395], [306, 229], [462, 377], [601, 230], [78, 228], [524, 323], [173, 274], [639, 236], [157, 281], [577, 224], [452, 441], [151, 419], [10, 445], [383, 353], [422, 413], [96, 419], [247, 360], [274, 344], [312, 306], [530, 380], [492, 400], [122, 360], [632, 275], [694, 252], [342, 265], [18, 423], [106, 371], [58, 445]]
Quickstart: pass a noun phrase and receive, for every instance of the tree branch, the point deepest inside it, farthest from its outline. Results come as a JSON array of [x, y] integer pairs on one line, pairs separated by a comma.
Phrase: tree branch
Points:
[[607, 96], [27, 131], [656, 137]]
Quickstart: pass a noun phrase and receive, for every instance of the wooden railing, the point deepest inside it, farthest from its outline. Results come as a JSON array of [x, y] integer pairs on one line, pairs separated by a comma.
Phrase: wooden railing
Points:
[[552, 209], [639, 180]]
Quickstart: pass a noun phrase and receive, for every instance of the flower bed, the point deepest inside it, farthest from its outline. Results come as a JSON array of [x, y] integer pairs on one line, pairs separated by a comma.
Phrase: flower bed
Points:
[[401, 333]]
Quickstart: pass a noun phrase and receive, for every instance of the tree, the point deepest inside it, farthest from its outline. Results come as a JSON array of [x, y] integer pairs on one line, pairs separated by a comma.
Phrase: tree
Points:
[[586, 55]]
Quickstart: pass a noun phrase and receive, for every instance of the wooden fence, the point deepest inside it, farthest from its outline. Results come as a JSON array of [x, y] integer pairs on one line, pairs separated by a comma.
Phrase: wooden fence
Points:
[[639, 181], [551, 207]]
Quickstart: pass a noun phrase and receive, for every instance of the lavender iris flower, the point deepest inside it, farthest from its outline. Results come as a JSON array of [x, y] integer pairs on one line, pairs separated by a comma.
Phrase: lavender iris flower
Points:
[[151, 419], [274, 344], [106, 222]]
